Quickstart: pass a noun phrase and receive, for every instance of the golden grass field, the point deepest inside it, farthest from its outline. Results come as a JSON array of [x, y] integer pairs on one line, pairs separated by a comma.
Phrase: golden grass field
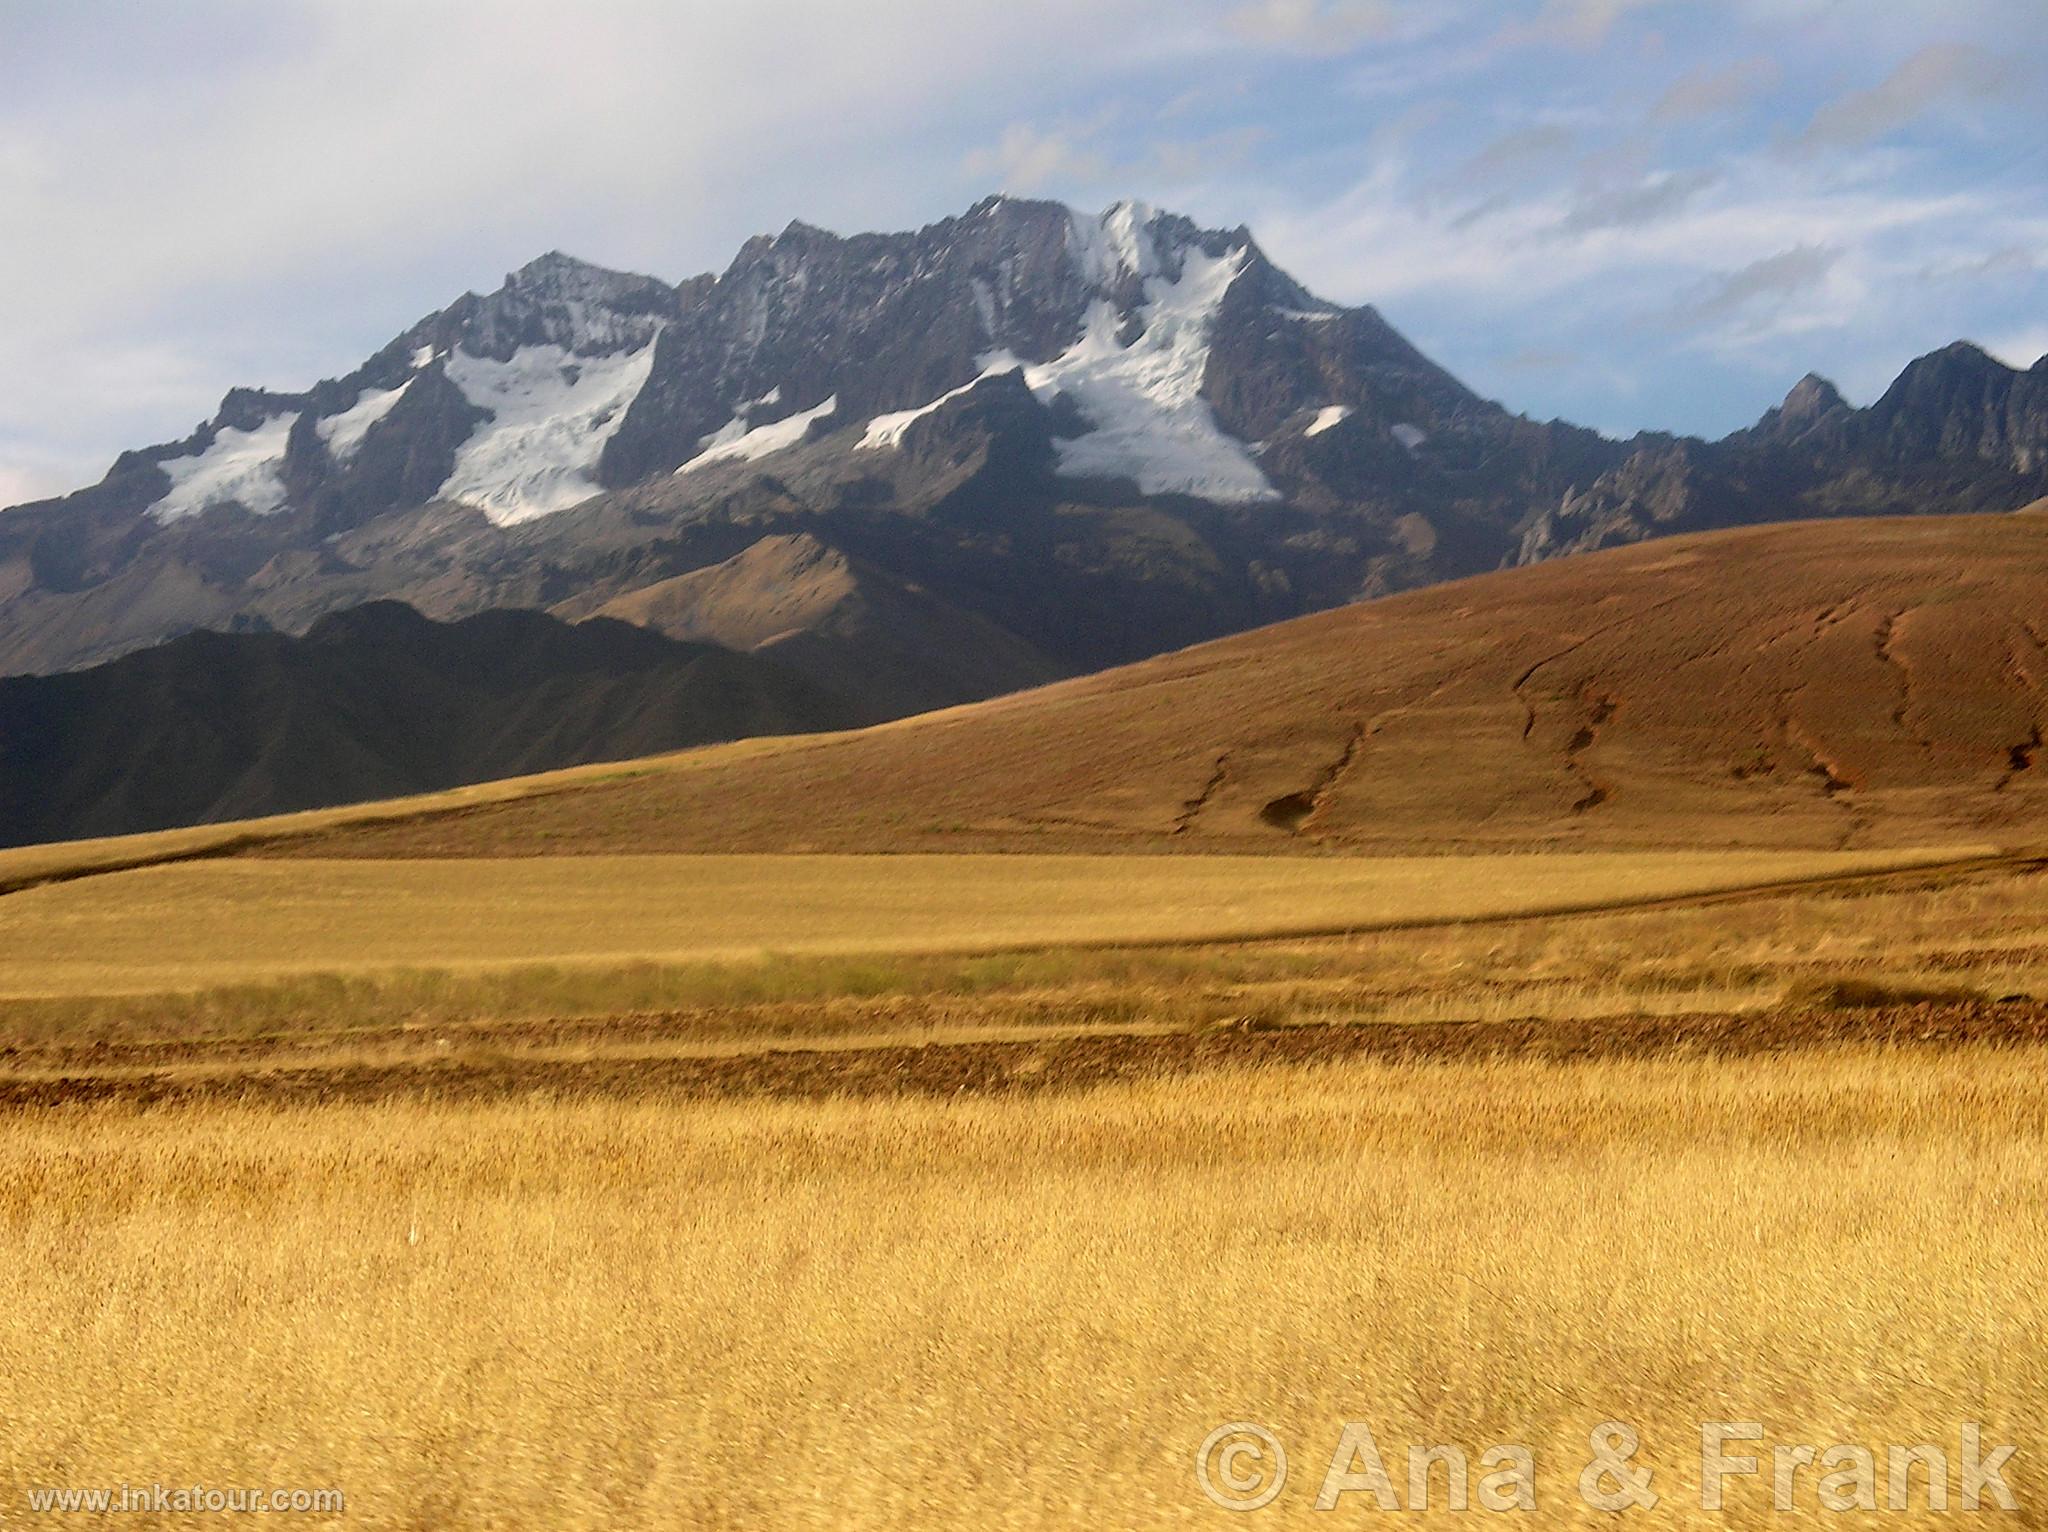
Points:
[[1024, 1310], [902, 1239], [217, 922]]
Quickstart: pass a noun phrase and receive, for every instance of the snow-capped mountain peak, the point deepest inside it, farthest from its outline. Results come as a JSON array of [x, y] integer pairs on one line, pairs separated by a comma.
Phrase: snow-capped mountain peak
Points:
[[571, 379]]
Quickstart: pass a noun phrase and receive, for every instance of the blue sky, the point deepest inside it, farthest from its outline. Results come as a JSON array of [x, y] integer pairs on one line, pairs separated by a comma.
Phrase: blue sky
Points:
[[1629, 213]]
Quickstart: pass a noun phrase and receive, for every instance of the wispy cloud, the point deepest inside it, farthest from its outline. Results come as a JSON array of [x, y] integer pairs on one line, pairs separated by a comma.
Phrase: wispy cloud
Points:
[[1029, 159], [1072, 158], [1581, 24], [1937, 73], [1711, 92], [1654, 196], [2011, 261], [1761, 284], [1519, 152]]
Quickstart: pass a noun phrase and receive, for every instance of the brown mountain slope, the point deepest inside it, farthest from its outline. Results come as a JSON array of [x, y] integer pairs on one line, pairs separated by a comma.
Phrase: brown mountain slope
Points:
[[1822, 684], [891, 646]]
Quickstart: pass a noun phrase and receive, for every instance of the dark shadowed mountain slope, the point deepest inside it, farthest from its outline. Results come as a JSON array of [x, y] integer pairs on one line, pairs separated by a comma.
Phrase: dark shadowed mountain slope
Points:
[[373, 702]]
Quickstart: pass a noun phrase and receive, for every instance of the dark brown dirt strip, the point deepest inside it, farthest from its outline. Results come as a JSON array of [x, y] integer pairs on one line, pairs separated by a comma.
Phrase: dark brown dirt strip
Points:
[[1047, 1065]]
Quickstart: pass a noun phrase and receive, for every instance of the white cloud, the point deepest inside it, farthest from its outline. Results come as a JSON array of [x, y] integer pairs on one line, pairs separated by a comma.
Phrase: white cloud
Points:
[[1753, 296], [1576, 23], [1770, 271], [1645, 200], [1517, 153], [21, 480]]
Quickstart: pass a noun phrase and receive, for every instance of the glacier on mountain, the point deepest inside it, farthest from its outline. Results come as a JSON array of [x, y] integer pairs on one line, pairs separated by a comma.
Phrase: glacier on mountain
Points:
[[759, 441], [552, 411], [237, 467], [344, 432], [1152, 424], [886, 431]]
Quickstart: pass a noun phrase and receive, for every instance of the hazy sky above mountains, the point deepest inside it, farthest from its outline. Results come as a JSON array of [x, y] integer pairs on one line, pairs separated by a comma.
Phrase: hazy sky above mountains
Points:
[[1631, 213]]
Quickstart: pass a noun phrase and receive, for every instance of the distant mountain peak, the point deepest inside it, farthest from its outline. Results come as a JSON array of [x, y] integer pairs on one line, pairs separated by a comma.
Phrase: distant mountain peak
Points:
[[555, 279], [1810, 398], [1812, 394]]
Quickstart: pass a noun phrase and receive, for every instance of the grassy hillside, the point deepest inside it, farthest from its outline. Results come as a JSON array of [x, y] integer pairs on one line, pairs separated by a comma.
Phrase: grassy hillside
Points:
[[1880, 683]]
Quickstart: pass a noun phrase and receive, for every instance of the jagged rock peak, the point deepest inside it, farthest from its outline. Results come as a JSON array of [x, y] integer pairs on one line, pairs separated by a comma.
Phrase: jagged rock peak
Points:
[[556, 275], [1811, 397], [1959, 355]]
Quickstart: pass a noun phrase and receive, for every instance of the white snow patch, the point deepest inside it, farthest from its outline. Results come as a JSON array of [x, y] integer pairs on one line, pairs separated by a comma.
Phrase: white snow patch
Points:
[[1152, 423], [741, 422], [984, 306], [344, 432], [551, 414], [1336, 414], [1408, 436], [238, 468], [1128, 227], [423, 357], [760, 440], [887, 430], [726, 434], [1308, 316], [1116, 242]]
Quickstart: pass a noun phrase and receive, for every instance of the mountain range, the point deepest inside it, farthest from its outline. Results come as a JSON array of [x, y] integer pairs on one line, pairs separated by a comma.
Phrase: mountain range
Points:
[[919, 469], [1075, 439]]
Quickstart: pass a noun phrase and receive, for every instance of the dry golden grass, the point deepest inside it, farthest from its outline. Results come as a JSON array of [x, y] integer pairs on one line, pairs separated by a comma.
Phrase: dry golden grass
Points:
[[1023, 1311], [1987, 933], [1023, 1307], [216, 923]]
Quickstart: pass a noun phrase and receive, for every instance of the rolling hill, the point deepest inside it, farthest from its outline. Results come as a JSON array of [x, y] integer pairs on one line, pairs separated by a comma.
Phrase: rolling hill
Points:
[[1821, 685]]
